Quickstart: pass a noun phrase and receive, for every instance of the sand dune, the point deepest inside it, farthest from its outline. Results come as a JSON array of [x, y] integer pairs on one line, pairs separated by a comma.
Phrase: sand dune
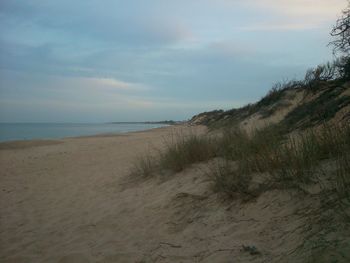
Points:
[[75, 201]]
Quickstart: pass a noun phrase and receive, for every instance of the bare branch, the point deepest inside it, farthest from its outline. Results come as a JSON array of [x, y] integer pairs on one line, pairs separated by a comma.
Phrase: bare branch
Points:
[[341, 32]]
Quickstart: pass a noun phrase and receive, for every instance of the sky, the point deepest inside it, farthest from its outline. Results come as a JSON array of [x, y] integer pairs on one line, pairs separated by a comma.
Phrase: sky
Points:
[[151, 60]]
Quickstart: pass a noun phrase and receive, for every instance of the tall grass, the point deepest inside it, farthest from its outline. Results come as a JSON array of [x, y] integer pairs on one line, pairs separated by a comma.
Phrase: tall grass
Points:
[[183, 150], [289, 160], [342, 178], [145, 166], [237, 144], [342, 185], [180, 151]]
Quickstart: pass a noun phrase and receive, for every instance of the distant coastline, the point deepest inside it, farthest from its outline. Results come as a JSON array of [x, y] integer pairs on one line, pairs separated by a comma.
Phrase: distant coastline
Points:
[[35, 131], [168, 122]]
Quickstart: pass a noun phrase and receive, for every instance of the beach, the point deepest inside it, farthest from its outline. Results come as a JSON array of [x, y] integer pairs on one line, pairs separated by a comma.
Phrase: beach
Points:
[[175, 131], [72, 200], [75, 201]]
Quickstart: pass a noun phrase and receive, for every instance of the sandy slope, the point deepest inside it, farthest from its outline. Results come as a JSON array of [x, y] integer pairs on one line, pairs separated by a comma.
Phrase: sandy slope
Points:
[[74, 201]]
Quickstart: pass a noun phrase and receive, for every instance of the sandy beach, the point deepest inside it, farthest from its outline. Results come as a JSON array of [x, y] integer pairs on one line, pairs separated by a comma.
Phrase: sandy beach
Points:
[[70, 200], [73, 200]]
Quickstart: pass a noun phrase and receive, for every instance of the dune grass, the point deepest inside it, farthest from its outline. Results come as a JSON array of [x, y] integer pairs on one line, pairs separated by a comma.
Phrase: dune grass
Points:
[[183, 150], [144, 166], [228, 179], [180, 151], [342, 178], [290, 160]]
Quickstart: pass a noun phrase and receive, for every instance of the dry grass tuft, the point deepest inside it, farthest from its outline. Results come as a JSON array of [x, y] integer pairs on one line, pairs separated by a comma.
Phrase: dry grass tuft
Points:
[[181, 151], [144, 166], [227, 178], [289, 160]]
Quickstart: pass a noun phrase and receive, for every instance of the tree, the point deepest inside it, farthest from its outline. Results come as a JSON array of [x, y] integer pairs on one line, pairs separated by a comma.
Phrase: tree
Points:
[[341, 31], [341, 44]]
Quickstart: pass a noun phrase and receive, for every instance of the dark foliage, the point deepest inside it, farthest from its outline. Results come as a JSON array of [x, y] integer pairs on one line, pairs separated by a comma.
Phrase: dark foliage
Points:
[[343, 68], [318, 110]]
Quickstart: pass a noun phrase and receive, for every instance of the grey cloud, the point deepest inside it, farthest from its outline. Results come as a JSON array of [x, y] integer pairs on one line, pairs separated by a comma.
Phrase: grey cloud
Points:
[[149, 42], [116, 22]]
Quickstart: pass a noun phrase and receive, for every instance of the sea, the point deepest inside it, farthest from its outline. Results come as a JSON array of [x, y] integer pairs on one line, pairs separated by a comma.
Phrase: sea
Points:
[[30, 131]]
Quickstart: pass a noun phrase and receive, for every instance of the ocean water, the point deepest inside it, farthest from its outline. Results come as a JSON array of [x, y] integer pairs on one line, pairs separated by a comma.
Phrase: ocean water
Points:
[[28, 131]]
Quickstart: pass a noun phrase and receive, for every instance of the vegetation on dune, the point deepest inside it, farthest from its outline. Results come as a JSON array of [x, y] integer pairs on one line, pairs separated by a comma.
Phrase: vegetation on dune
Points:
[[307, 147], [183, 150], [290, 161], [243, 166], [144, 166], [322, 86], [323, 108], [290, 152], [229, 178]]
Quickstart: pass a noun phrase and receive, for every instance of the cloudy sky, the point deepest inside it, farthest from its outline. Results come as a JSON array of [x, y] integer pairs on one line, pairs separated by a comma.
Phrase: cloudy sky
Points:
[[134, 60]]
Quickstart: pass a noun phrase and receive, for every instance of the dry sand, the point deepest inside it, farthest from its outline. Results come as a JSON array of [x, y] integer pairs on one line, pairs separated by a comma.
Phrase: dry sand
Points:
[[73, 200]]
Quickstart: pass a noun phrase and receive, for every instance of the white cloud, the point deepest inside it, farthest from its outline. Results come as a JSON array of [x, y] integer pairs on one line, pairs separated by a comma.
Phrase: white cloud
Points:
[[101, 84], [229, 48], [324, 9], [110, 82], [169, 103], [291, 14], [280, 26]]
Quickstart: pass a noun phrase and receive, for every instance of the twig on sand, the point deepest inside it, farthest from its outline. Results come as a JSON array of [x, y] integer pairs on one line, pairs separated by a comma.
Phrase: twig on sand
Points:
[[170, 245]]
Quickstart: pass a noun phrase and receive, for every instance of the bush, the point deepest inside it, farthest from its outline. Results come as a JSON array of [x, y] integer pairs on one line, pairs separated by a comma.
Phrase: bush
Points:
[[277, 92], [343, 68], [322, 73], [273, 95]]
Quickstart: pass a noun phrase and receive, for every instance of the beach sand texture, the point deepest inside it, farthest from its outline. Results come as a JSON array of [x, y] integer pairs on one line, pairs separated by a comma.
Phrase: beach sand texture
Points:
[[73, 200]]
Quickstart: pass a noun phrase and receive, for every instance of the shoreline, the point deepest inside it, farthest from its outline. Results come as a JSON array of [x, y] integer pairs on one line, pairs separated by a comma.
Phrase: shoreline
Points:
[[108, 134], [79, 200], [59, 199], [52, 192]]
